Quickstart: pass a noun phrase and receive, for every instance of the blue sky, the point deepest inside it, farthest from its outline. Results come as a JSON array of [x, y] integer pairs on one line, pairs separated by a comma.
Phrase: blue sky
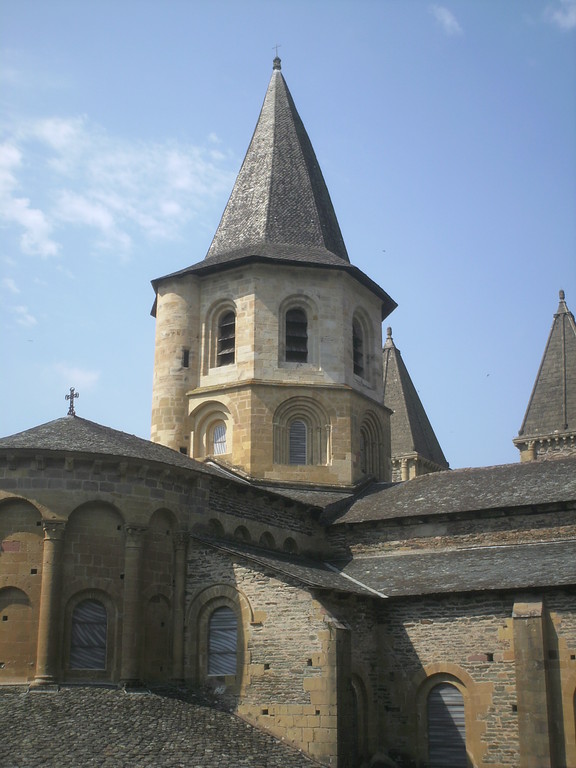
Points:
[[445, 131]]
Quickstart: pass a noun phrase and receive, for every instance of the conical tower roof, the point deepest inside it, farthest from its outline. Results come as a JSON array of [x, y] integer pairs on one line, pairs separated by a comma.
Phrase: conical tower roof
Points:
[[280, 205], [411, 431], [280, 209], [551, 411]]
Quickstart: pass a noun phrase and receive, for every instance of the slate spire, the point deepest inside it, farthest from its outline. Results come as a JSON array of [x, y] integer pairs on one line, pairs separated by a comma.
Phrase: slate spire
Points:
[[280, 207], [549, 426], [414, 446]]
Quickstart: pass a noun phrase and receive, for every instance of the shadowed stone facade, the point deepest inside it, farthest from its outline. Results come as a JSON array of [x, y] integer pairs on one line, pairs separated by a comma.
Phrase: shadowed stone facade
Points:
[[292, 543]]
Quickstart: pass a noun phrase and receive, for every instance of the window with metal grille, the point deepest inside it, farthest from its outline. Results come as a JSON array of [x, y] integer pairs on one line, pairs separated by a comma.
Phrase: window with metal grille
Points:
[[226, 339], [219, 438], [358, 348], [296, 336], [446, 727], [88, 643], [222, 642]]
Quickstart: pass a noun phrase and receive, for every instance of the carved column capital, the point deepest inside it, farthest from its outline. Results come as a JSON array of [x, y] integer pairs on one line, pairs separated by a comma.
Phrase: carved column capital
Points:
[[134, 535]]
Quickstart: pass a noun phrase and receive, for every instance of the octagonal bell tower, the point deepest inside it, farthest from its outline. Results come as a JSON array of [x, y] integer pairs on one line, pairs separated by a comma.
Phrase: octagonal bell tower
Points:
[[269, 351]]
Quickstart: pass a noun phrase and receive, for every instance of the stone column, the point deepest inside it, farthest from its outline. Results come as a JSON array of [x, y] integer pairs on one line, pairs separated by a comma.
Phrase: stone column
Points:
[[180, 562], [531, 684], [131, 623], [49, 613]]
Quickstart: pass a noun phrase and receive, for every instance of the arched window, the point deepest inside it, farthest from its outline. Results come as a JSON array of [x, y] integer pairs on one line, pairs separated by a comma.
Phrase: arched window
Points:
[[217, 442], [89, 629], [446, 727], [226, 344], [298, 448], [358, 348], [222, 642], [301, 433], [296, 336]]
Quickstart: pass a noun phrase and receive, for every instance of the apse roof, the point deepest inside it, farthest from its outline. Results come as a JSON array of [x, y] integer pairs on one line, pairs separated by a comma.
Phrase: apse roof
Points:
[[410, 427], [74, 434], [552, 407]]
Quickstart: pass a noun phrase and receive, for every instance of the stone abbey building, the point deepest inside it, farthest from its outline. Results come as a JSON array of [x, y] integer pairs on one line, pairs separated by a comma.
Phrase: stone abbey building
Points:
[[292, 538]]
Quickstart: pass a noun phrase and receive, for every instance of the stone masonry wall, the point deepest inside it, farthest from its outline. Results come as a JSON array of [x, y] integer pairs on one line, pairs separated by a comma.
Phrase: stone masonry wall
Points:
[[465, 640], [287, 683]]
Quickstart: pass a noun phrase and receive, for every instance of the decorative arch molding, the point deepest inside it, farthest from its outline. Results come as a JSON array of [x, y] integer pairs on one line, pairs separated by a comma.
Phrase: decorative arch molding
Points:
[[113, 629], [305, 303], [477, 699], [371, 445], [6, 498], [198, 619], [302, 411], [92, 505], [212, 332], [167, 514], [206, 422]]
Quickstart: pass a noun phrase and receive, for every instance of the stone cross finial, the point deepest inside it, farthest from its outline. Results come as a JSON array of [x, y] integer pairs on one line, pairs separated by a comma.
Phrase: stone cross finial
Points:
[[71, 396]]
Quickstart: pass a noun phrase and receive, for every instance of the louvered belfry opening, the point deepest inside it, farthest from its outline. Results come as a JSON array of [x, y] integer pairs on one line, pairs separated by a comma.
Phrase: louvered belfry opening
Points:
[[226, 339], [88, 642], [222, 642], [446, 728], [298, 448], [296, 336]]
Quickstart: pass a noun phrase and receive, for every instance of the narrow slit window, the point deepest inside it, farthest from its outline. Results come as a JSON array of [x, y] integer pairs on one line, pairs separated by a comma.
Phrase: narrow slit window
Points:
[[358, 349], [298, 449], [185, 358], [296, 336], [225, 353]]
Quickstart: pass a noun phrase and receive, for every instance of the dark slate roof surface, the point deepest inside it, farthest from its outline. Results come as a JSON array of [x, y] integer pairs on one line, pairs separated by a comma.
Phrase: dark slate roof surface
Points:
[[280, 195], [552, 407], [74, 434], [312, 573], [468, 570], [410, 427], [468, 490]]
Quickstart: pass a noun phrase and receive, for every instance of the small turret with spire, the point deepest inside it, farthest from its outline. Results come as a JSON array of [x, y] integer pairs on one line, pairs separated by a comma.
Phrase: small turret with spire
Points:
[[549, 426]]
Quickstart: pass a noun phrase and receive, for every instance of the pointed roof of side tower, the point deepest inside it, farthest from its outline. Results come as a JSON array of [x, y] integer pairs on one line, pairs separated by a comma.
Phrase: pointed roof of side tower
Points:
[[412, 437], [549, 426], [280, 209]]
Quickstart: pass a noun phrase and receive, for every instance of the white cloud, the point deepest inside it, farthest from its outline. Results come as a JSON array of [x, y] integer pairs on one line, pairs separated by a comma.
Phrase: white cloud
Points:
[[23, 317], [446, 20], [10, 285], [562, 15], [37, 229], [71, 375], [117, 191]]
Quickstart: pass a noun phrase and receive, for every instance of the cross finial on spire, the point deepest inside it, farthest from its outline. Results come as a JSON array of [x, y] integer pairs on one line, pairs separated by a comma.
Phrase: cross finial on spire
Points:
[[277, 63], [71, 396]]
